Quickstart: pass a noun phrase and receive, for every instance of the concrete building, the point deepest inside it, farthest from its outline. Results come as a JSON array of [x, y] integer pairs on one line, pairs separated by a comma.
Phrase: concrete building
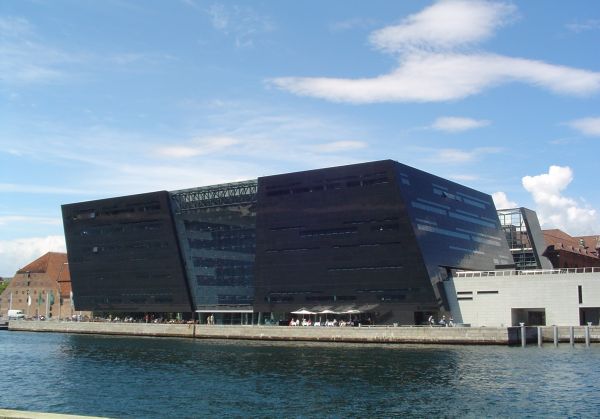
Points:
[[562, 297]]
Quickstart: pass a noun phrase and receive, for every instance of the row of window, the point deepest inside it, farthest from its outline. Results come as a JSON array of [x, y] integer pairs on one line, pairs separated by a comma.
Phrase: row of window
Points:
[[214, 227], [224, 280], [331, 185], [151, 206], [122, 228], [117, 248], [331, 298]]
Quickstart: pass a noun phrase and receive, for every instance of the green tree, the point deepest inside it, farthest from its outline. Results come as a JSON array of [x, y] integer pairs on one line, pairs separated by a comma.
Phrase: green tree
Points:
[[3, 286]]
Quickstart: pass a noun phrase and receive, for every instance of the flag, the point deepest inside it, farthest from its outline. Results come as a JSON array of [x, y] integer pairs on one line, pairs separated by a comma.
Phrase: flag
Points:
[[39, 299], [51, 298], [29, 300]]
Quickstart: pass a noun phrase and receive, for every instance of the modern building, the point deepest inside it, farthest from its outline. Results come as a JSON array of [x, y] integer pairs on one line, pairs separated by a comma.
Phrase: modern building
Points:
[[377, 239], [562, 297], [41, 288], [525, 238]]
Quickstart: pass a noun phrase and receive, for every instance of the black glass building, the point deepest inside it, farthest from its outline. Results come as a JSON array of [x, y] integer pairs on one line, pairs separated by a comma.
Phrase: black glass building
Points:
[[374, 238]]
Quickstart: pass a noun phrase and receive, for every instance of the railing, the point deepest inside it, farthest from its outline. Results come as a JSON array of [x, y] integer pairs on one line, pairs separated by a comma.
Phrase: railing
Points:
[[237, 193], [481, 274]]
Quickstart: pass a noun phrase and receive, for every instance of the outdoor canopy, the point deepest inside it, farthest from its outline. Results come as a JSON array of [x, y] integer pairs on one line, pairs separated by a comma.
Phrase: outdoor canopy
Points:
[[303, 311]]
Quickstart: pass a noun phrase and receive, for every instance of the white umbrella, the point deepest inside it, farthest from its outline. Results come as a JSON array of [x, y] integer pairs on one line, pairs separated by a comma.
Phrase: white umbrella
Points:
[[326, 312], [303, 311]]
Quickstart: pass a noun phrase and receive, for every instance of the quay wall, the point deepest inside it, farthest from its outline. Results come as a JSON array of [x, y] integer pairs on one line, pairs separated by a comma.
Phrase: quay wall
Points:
[[379, 334]]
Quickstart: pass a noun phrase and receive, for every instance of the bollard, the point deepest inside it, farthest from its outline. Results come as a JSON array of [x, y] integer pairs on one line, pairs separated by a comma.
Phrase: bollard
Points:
[[587, 336], [523, 336], [572, 335], [555, 331], [539, 329]]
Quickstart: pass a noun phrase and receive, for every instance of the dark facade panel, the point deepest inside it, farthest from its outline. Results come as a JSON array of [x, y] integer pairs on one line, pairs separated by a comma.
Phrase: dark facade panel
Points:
[[124, 255], [456, 227], [338, 237], [537, 238]]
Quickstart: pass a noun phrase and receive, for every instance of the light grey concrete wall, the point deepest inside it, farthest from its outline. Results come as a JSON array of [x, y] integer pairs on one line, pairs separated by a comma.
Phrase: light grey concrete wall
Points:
[[556, 293], [433, 335]]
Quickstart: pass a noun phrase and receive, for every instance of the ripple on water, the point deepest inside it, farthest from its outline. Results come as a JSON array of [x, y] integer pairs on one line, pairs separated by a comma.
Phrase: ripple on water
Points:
[[157, 378]]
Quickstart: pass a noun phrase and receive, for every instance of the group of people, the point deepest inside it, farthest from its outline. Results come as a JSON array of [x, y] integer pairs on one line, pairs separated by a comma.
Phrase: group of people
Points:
[[328, 323], [443, 321]]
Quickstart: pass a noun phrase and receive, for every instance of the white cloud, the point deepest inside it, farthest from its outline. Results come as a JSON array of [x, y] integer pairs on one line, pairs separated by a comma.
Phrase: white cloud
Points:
[[457, 156], [15, 254], [198, 147], [461, 177], [458, 124], [338, 146], [556, 210], [242, 23], [39, 189], [352, 23], [431, 69], [25, 58], [588, 25], [435, 77], [501, 201], [21, 219], [587, 126], [446, 24]]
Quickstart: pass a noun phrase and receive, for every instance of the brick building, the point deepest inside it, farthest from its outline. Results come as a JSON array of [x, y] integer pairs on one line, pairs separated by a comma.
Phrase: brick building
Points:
[[36, 288], [565, 251]]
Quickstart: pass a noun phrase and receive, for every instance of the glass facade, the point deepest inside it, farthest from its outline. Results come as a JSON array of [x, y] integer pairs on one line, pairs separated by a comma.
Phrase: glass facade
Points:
[[218, 241], [525, 238]]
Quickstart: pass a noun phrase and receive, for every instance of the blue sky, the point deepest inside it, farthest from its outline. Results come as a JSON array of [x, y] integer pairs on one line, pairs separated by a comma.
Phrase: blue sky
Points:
[[114, 97]]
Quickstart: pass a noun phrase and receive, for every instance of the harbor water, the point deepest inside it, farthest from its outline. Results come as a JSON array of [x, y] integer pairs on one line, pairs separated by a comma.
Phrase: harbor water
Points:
[[129, 377]]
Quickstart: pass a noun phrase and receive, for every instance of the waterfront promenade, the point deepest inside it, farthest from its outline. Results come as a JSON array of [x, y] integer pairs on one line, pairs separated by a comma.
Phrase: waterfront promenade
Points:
[[22, 414], [377, 334]]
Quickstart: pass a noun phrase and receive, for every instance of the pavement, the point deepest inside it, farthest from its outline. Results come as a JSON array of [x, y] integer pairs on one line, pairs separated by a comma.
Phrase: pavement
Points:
[[21, 414]]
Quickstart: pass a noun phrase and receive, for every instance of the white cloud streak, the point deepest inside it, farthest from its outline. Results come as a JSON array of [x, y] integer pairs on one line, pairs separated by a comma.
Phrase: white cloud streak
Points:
[[587, 126], [15, 254], [587, 25], [556, 210], [21, 219], [432, 69], [501, 201], [198, 147], [242, 23], [458, 124], [457, 156], [446, 24]]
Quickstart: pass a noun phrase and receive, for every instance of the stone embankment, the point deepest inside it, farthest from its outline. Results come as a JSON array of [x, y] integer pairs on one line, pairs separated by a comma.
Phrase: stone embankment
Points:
[[376, 334], [379, 334]]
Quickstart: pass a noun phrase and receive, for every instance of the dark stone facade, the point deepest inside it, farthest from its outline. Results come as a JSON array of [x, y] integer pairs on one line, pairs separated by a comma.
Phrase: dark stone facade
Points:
[[124, 255]]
